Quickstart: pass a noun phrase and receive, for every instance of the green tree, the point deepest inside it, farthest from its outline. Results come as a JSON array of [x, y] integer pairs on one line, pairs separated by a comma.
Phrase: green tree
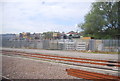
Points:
[[48, 35], [102, 21]]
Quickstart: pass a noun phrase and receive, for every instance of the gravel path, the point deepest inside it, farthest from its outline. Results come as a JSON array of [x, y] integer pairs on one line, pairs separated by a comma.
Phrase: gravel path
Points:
[[18, 68], [69, 53]]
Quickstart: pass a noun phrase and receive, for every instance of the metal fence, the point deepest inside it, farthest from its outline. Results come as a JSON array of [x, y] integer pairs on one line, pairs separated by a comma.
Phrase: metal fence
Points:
[[94, 45]]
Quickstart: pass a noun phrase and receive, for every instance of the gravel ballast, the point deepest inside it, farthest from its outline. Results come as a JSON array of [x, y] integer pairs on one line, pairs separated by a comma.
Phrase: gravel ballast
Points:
[[68, 53], [18, 68]]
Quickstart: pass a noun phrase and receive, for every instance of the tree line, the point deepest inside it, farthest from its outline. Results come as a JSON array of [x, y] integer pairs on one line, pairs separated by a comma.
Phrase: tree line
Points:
[[102, 21]]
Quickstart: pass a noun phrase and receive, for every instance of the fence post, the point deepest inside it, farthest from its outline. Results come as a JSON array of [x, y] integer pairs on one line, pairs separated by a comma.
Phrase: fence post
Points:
[[91, 44]]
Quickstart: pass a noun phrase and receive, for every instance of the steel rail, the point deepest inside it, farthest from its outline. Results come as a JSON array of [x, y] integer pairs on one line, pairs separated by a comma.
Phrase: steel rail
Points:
[[32, 55], [71, 57], [91, 75]]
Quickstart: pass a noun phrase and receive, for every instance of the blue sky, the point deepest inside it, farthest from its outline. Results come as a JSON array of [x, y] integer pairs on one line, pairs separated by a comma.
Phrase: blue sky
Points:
[[42, 15]]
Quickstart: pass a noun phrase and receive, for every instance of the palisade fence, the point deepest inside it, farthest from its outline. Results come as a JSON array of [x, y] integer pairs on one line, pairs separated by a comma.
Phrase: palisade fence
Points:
[[66, 44]]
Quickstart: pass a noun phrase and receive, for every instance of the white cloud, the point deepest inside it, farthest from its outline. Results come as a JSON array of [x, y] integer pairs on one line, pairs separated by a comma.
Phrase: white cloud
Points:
[[36, 27], [59, 1], [48, 0], [57, 11], [39, 17]]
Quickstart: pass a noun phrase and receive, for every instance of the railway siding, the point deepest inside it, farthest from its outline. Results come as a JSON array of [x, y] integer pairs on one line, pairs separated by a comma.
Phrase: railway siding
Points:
[[91, 63]]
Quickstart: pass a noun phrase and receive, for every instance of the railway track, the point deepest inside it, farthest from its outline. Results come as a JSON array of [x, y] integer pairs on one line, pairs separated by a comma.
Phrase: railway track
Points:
[[91, 63], [69, 59]]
